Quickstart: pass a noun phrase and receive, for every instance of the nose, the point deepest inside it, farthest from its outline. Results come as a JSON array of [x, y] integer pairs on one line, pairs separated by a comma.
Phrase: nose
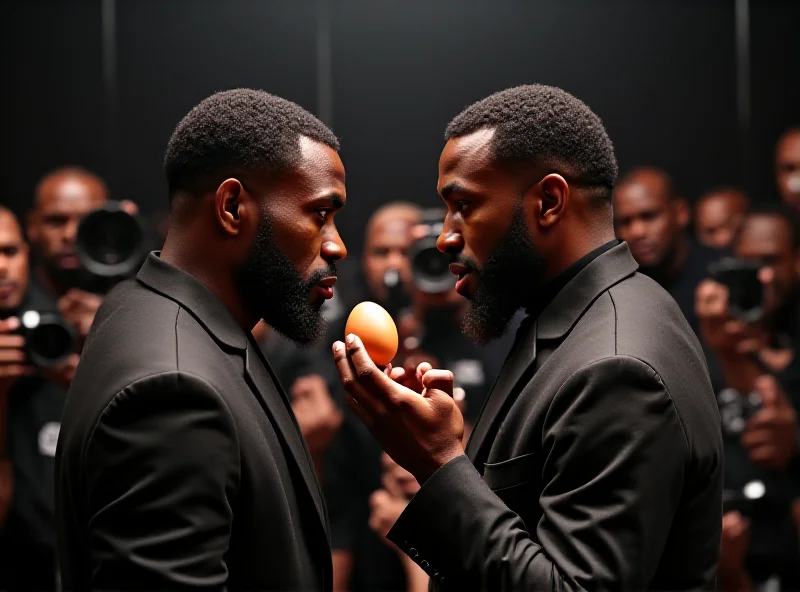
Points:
[[4, 266], [450, 241], [71, 231], [637, 230], [396, 260], [333, 249]]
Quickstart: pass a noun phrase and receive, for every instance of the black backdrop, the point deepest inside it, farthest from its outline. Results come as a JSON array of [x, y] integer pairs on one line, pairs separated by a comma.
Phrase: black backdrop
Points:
[[388, 76]]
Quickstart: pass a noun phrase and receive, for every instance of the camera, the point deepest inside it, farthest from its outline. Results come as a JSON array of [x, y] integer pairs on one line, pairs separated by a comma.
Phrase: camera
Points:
[[430, 268], [49, 339], [745, 291], [735, 409], [396, 297]]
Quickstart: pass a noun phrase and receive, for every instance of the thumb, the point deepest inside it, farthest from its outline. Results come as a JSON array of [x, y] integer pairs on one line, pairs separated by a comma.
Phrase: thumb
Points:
[[440, 380], [770, 391]]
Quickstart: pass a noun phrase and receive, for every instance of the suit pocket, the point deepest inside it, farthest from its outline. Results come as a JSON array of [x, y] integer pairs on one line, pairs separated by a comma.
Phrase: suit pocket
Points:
[[511, 473]]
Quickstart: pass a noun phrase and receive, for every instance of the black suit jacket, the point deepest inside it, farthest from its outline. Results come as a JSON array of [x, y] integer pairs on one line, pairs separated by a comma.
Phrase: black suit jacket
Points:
[[598, 454], [180, 464]]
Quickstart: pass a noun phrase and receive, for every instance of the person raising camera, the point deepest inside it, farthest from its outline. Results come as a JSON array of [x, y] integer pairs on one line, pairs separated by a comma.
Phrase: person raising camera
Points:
[[31, 401], [751, 336], [62, 199]]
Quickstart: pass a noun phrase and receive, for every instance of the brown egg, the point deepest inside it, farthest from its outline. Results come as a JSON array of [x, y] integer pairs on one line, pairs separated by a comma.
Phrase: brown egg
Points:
[[376, 329]]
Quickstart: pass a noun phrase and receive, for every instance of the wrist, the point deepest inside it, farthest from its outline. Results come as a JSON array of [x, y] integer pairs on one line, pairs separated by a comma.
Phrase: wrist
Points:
[[440, 461]]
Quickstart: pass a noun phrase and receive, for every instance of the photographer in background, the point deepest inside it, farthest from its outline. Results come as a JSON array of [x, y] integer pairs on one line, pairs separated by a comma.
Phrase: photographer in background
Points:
[[749, 322], [31, 402], [61, 200], [718, 215], [653, 220]]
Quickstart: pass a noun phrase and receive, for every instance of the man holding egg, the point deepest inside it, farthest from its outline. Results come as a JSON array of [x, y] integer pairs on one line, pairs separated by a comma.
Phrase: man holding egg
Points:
[[596, 460]]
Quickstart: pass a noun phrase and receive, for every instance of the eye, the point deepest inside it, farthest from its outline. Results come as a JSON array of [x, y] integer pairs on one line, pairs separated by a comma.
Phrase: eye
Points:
[[323, 213], [461, 205]]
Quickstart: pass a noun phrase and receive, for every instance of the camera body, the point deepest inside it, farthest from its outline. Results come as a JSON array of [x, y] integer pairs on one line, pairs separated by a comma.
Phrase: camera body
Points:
[[745, 291], [735, 409], [430, 268]]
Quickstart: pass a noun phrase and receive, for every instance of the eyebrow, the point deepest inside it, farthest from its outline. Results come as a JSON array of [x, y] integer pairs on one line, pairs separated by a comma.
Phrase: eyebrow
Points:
[[455, 187], [337, 200]]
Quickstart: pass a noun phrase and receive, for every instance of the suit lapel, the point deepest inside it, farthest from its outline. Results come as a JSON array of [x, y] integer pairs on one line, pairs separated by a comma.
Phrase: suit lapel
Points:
[[263, 382], [518, 365], [553, 324]]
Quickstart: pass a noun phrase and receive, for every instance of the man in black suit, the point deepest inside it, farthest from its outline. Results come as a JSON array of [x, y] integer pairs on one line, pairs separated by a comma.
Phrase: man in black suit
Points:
[[180, 464], [596, 461]]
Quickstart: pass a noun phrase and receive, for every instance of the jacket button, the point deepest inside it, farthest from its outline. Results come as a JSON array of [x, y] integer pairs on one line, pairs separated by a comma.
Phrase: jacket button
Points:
[[412, 552]]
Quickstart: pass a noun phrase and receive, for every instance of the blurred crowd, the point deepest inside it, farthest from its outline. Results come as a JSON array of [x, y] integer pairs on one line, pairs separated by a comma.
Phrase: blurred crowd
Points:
[[730, 261]]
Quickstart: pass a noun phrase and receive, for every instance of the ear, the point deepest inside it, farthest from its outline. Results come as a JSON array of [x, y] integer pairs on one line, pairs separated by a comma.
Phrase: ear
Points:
[[230, 206], [553, 197], [683, 213]]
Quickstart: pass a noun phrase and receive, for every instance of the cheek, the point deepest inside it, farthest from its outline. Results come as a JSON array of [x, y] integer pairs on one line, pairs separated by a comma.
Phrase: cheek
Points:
[[482, 233]]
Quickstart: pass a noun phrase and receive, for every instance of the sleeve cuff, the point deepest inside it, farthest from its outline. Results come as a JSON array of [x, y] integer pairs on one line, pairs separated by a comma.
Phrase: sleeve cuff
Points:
[[418, 534]]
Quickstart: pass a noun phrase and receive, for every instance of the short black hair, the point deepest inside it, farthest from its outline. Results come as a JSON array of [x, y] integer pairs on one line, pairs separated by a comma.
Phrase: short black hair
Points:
[[540, 123], [240, 128], [782, 211]]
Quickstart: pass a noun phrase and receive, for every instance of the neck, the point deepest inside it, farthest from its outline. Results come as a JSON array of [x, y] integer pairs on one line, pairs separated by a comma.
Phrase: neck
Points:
[[180, 252], [574, 250]]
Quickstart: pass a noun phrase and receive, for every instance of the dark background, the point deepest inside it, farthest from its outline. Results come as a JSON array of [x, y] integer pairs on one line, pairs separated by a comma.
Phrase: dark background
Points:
[[388, 76]]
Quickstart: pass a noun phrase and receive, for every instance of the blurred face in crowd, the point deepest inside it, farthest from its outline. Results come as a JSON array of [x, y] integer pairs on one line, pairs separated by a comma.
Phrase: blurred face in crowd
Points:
[[386, 248], [718, 216], [486, 233], [787, 168], [289, 269], [13, 262], [767, 239], [649, 218], [62, 199]]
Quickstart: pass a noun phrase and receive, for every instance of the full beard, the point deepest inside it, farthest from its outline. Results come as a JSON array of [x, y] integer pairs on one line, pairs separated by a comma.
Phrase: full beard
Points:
[[273, 289], [509, 279]]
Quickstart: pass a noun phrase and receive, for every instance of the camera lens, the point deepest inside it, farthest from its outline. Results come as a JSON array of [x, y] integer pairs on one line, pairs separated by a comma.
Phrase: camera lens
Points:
[[430, 268], [110, 242], [49, 340]]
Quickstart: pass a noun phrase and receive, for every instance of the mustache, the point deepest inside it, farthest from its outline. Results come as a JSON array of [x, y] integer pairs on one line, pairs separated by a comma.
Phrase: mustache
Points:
[[319, 274]]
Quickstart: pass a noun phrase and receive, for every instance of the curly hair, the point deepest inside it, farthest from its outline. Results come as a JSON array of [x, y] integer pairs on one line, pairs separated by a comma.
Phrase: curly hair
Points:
[[242, 129], [538, 123]]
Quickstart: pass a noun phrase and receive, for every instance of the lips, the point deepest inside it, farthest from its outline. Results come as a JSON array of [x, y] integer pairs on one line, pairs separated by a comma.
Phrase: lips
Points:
[[462, 272], [326, 285]]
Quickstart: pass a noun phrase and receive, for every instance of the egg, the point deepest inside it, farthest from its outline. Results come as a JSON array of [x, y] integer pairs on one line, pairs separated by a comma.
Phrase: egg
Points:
[[376, 329]]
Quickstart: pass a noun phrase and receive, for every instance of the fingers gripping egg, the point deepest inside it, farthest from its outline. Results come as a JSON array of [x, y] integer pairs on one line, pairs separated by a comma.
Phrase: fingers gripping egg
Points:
[[376, 329]]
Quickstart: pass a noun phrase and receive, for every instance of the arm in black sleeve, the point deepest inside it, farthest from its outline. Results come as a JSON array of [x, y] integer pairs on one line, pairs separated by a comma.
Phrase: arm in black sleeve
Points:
[[614, 455], [162, 469]]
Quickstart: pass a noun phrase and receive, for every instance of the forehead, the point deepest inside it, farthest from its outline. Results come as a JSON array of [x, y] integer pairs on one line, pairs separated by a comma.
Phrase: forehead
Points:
[[320, 165], [467, 158], [639, 196], [718, 206], [789, 148], [10, 231], [69, 194], [390, 232], [765, 233]]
